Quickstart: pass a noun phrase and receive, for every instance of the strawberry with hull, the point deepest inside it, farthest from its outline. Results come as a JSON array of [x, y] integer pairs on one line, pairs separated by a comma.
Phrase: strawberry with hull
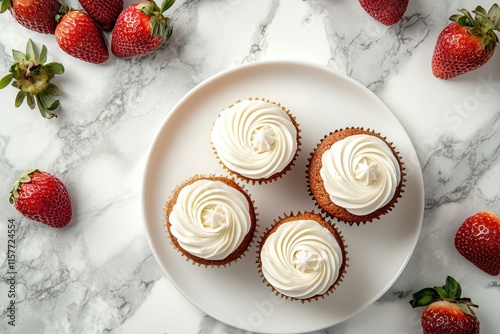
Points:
[[42, 197], [79, 36], [36, 15], [141, 28], [467, 43], [446, 311]]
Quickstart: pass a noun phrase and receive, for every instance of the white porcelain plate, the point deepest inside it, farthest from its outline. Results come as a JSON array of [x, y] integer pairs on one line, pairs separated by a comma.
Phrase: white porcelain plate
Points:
[[322, 100]]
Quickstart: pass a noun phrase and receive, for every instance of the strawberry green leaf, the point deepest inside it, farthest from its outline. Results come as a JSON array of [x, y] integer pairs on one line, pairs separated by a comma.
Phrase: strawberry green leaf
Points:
[[6, 80], [155, 26], [15, 83], [31, 101], [43, 55], [14, 69], [424, 297], [19, 98], [18, 55], [54, 68], [480, 11], [461, 20], [464, 308], [64, 9], [25, 177], [454, 289], [53, 90], [53, 106], [470, 20], [147, 10], [43, 113], [41, 108], [166, 4], [13, 196], [30, 51], [443, 294], [494, 15], [450, 292], [47, 101], [6, 4]]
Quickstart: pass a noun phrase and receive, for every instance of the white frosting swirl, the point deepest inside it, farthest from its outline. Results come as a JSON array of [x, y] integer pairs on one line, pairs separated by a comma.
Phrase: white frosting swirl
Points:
[[210, 219], [254, 138], [301, 259], [360, 173]]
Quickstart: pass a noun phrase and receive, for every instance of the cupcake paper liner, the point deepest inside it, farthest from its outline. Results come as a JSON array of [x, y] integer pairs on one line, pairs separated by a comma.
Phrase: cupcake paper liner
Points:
[[289, 218], [278, 174], [239, 252], [334, 211]]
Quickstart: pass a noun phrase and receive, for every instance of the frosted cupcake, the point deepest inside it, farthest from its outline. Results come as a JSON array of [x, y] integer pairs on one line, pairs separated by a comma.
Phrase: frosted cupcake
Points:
[[211, 220], [256, 140], [355, 175], [302, 257]]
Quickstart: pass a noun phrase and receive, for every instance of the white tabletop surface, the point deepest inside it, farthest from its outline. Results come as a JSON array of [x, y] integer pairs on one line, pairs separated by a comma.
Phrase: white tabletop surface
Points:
[[98, 275]]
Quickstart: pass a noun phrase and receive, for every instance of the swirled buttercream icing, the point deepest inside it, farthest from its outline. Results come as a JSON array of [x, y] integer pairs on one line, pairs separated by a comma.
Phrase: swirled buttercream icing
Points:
[[301, 259], [210, 219], [255, 138], [360, 173]]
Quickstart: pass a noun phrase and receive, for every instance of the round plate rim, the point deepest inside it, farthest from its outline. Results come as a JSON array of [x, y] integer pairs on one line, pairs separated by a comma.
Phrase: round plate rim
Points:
[[272, 63]]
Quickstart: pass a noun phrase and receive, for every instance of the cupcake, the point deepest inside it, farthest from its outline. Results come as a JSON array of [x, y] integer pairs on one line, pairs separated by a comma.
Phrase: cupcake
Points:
[[256, 140], [355, 175], [211, 220], [302, 257]]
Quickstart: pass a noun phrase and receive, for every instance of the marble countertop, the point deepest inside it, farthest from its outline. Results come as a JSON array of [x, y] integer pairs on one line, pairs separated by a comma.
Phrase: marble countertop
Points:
[[98, 275]]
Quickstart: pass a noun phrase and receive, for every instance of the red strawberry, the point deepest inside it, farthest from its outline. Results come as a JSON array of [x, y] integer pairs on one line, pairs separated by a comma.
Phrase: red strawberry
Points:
[[104, 12], [467, 43], [39, 196], [478, 240], [141, 28], [387, 12], [446, 311], [36, 15], [78, 35]]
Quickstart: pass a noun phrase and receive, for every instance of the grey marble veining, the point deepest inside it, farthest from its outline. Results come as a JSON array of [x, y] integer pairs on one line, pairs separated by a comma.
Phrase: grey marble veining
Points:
[[60, 291], [458, 175], [454, 170]]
